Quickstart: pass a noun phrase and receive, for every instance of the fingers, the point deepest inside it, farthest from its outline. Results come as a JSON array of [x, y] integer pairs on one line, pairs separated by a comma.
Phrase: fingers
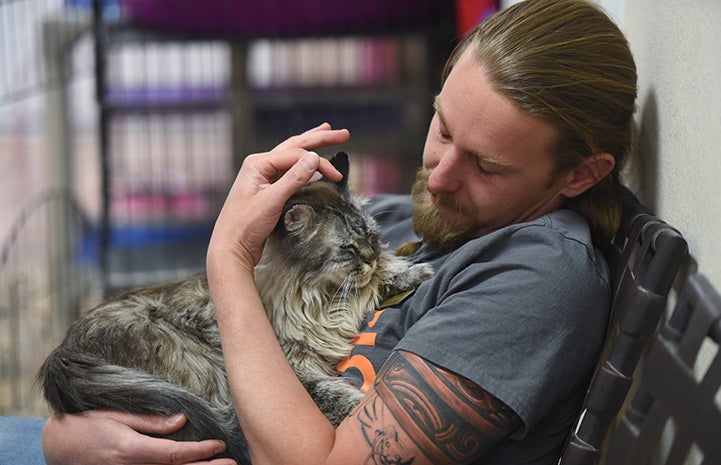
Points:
[[110, 437], [289, 151], [296, 165], [146, 449], [320, 136], [153, 424], [269, 180], [298, 175]]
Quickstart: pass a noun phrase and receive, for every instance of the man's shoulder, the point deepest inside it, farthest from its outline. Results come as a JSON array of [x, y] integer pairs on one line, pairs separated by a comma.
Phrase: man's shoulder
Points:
[[558, 243], [554, 229]]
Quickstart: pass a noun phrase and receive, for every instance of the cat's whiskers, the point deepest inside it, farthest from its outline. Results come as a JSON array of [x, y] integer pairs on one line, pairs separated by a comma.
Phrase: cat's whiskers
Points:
[[351, 285], [348, 288], [341, 294]]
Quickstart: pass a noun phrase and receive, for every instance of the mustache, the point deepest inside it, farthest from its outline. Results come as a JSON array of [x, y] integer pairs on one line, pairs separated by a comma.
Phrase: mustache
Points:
[[444, 199], [431, 224]]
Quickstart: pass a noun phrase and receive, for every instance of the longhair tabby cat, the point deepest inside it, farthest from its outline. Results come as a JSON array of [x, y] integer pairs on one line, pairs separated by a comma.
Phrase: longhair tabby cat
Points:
[[157, 350]]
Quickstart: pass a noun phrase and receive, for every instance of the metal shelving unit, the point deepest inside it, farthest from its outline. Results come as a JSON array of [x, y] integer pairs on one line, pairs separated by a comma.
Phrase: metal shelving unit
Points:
[[158, 204]]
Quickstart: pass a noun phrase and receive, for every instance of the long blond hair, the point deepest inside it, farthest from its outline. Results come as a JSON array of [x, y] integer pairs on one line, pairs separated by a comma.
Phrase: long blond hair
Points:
[[566, 62]]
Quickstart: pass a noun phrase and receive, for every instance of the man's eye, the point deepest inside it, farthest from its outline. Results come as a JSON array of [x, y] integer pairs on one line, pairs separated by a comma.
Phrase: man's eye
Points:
[[482, 170]]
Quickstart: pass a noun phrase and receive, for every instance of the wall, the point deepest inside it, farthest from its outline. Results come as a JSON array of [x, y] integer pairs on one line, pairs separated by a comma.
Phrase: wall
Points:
[[679, 111]]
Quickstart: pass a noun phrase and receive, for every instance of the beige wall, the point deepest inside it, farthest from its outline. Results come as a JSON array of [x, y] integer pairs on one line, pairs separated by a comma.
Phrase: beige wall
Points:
[[677, 46]]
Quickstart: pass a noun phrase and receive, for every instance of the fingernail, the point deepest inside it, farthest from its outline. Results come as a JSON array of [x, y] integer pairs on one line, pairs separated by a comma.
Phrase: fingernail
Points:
[[174, 419], [309, 161]]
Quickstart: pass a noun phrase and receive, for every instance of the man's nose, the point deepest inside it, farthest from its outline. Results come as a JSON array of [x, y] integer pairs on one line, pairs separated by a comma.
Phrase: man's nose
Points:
[[445, 173]]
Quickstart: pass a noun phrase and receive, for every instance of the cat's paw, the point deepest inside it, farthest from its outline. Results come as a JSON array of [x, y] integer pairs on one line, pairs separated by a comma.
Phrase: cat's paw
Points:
[[404, 282], [419, 273], [411, 277]]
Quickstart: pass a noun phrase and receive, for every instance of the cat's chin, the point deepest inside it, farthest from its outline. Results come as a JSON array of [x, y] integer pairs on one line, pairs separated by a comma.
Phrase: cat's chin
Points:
[[363, 281], [354, 281], [364, 277]]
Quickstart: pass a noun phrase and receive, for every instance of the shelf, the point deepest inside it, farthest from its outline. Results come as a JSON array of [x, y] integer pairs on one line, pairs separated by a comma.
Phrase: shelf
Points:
[[168, 116]]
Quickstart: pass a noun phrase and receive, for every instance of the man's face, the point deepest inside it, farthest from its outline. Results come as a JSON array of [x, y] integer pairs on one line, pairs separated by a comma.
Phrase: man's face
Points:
[[486, 164]]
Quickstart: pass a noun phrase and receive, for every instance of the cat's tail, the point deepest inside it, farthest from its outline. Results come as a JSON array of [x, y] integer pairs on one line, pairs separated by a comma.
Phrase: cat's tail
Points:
[[76, 382]]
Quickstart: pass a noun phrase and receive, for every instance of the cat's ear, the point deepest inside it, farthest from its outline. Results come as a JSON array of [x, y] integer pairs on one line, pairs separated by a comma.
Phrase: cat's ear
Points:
[[341, 162], [297, 217]]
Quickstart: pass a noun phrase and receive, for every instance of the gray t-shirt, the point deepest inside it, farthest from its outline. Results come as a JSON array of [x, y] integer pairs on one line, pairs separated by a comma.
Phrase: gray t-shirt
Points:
[[521, 311]]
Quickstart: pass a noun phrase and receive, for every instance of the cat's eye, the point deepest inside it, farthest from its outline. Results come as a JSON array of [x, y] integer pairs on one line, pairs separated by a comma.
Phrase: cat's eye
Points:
[[349, 248]]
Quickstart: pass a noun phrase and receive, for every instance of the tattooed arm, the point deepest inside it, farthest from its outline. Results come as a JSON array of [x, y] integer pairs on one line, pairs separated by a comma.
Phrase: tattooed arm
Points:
[[420, 413]]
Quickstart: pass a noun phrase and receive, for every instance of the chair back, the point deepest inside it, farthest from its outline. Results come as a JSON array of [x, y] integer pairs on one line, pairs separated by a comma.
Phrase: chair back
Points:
[[676, 394], [643, 260]]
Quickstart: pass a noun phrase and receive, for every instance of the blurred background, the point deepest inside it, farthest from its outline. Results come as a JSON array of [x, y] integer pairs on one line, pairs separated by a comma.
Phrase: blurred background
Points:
[[123, 122]]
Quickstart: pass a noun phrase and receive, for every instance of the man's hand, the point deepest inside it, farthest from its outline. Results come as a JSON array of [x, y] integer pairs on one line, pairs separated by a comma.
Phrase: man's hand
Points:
[[263, 185], [111, 437]]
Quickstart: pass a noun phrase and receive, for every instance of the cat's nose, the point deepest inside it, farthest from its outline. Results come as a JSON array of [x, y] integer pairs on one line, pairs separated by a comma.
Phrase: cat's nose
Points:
[[368, 256], [369, 259]]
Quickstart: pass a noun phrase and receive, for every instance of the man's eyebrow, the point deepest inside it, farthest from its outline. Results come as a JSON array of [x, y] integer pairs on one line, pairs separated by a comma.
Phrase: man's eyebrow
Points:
[[437, 109], [483, 157]]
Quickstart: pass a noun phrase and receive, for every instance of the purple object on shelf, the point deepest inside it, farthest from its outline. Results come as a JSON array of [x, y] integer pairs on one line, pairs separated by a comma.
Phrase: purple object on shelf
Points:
[[166, 95], [278, 17]]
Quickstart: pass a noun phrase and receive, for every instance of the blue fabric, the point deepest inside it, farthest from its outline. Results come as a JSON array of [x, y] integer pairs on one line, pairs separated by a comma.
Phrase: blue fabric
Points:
[[20, 441]]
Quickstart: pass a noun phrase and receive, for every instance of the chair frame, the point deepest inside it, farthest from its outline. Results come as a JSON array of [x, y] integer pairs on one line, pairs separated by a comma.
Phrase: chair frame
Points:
[[670, 392], [644, 259]]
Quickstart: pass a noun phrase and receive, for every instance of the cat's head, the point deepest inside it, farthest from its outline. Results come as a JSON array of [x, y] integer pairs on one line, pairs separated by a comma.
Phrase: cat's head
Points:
[[325, 233]]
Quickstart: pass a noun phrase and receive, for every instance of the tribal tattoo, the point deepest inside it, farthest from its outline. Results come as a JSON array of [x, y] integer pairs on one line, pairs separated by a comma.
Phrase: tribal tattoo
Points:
[[447, 417]]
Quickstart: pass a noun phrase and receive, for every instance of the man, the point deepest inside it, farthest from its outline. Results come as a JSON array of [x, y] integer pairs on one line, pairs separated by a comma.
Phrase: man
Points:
[[489, 360]]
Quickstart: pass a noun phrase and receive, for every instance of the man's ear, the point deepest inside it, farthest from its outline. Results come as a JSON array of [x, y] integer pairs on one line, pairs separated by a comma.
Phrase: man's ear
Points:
[[587, 174]]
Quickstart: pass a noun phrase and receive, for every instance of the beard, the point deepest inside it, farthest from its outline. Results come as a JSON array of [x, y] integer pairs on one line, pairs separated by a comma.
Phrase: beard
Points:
[[432, 225]]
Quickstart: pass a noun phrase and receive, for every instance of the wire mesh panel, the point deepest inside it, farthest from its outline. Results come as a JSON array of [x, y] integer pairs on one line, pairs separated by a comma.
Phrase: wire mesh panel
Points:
[[23, 72], [45, 273], [46, 277], [30, 32]]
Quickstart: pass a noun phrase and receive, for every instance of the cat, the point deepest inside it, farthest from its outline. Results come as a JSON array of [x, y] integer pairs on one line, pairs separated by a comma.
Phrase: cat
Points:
[[157, 349]]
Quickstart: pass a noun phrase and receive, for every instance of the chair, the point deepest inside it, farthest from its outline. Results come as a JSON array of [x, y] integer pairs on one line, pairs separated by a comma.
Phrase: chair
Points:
[[672, 393], [643, 261]]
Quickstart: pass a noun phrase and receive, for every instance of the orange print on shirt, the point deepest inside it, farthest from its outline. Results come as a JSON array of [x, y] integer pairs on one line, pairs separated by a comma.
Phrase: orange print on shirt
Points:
[[361, 362]]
